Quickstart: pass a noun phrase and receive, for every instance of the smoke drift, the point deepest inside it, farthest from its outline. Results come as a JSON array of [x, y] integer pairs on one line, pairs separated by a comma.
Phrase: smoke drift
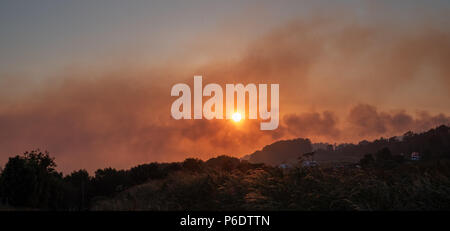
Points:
[[341, 82]]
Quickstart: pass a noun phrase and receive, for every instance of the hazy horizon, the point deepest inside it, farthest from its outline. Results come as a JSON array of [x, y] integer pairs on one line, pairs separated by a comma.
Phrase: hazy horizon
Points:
[[90, 81]]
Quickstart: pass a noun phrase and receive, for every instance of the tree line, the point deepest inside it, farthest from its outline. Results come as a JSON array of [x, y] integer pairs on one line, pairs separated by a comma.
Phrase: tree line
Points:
[[382, 180]]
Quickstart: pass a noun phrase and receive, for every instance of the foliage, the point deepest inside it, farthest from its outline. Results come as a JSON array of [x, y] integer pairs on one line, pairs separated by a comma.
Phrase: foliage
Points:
[[387, 180], [31, 180]]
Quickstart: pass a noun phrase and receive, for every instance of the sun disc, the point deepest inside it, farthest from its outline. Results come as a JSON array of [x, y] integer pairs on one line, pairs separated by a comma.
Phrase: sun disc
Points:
[[236, 117]]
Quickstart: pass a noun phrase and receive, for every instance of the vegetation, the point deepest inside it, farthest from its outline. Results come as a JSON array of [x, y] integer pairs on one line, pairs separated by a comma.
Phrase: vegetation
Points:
[[386, 179]]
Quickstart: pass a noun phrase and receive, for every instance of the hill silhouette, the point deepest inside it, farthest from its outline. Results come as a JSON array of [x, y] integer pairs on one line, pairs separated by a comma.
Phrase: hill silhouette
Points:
[[384, 178], [433, 142], [285, 151]]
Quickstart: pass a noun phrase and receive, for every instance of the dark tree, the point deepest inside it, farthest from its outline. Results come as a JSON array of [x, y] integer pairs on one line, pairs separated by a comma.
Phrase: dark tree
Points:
[[79, 185], [31, 181], [193, 165], [367, 161]]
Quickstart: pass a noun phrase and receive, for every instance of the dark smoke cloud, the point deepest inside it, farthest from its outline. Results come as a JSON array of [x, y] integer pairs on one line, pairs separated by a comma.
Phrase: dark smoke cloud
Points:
[[362, 122], [366, 121], [313, 124], [121, 118]]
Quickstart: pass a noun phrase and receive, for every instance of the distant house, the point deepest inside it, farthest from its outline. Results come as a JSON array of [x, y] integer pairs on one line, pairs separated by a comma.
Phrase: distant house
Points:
[[309, 163], [415, 156], [284, 166], [307, 160]]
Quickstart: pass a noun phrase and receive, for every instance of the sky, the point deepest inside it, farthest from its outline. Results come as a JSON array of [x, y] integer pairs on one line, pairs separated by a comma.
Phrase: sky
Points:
[[90, 81]]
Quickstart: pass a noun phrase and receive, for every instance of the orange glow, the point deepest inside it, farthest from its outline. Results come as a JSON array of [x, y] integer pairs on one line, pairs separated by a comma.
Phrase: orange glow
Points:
[[236, 117]]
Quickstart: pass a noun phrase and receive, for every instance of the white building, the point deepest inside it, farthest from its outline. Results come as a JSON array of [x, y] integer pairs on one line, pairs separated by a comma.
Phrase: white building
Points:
[[309, 163], [415, 156]]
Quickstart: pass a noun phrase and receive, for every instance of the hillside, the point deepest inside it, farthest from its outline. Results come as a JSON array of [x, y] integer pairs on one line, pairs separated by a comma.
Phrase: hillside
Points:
[[285, 151], [433, 142], [386, 179]]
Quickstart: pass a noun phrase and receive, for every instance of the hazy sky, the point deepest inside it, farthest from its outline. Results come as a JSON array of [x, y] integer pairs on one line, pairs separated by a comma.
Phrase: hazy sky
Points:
[[46, 35], [43, 36], [90, 80]]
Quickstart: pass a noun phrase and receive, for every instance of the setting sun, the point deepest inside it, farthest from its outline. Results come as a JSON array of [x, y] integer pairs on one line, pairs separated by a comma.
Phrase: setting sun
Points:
[[236, 117]]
